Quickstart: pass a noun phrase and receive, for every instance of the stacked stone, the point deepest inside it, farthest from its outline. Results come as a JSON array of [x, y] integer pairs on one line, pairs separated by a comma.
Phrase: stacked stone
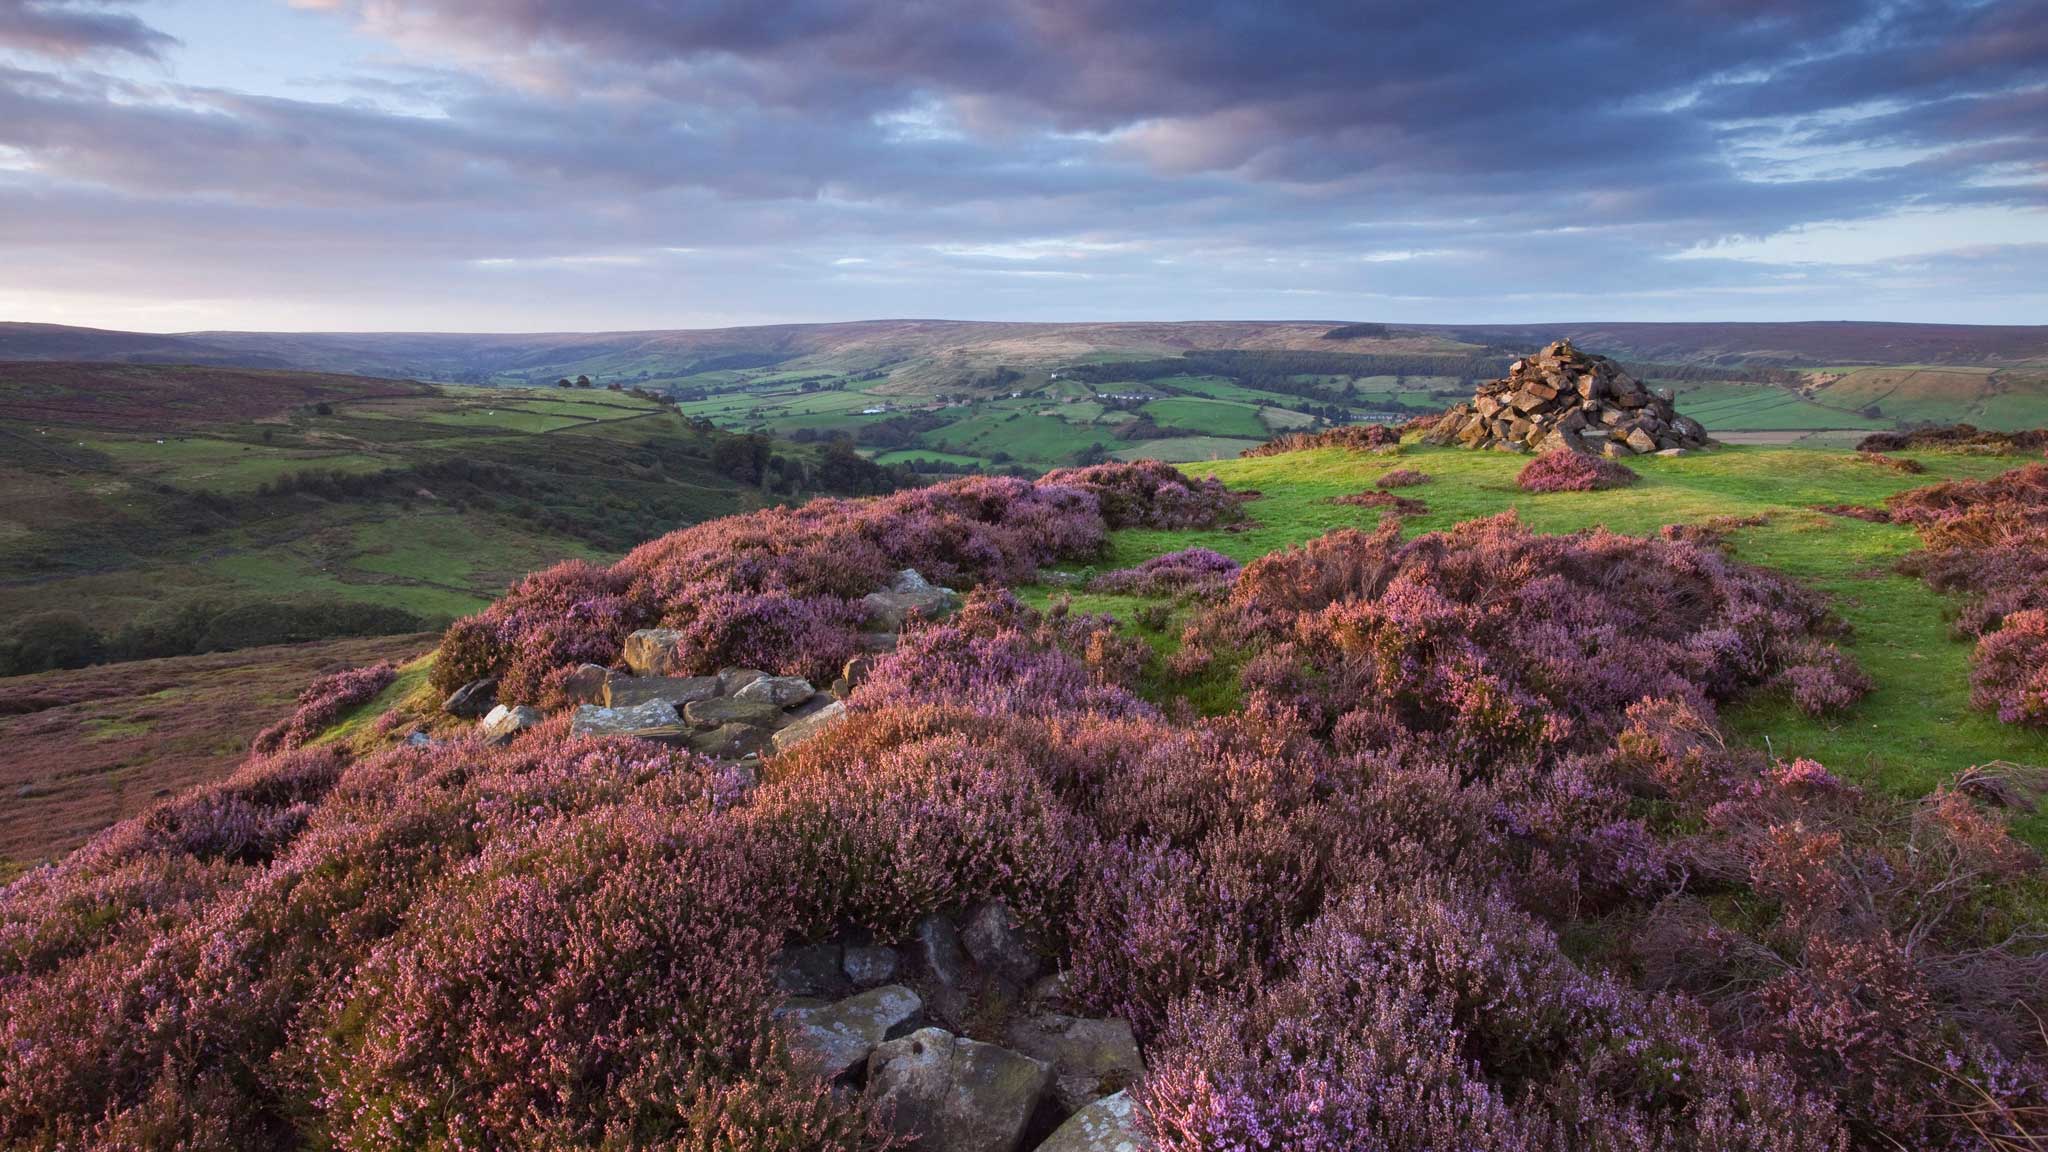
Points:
[[737, 715], [1564, 398]]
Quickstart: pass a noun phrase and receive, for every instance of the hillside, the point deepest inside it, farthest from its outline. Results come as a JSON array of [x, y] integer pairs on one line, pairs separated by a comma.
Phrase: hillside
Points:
[[1610, 815], [951, 396], [157, 511], [89, 747]]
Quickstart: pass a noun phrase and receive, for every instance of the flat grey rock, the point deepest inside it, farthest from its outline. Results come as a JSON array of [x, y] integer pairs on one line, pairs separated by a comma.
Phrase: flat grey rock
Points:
[[833, 1039], [1108, 1125], [653, 720], [626, 691]]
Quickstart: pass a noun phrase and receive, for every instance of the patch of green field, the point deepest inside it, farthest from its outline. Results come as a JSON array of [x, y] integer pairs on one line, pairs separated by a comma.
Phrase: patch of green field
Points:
[[411, 679], [225, 465], [913, 455], [1024, 435], [1761, 407], [1211, 417], [1913, 732], [1185, 449]]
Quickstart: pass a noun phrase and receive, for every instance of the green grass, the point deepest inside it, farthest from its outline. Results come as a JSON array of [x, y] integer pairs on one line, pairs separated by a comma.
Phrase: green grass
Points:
[[1024, 435], [1185, 449], [912, 455], [226, 465], [412, 678], [1913, 732], [1209, 417], [1762, 408]]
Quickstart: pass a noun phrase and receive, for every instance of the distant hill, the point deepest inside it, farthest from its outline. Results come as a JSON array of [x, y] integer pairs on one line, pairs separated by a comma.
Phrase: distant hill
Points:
[[912, 351], [157, 511]]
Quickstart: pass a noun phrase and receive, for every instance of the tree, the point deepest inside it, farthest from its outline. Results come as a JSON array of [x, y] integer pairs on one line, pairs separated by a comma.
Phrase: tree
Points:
[[583, 381], [564, 382]]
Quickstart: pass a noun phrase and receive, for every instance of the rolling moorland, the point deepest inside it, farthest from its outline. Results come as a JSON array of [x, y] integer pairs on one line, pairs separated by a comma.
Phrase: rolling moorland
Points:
[[1369, 791], [948, 396]]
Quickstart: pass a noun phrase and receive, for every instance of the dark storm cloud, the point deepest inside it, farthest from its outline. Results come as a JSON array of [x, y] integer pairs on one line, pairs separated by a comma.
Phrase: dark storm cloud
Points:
[[69, 30], [1156, 158]]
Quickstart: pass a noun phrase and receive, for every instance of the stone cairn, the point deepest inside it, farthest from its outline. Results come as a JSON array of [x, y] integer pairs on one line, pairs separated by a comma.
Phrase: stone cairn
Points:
[[1563, 398]]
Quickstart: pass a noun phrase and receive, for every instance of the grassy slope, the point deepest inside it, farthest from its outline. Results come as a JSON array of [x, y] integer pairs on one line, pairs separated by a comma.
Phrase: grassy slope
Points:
[[108, 523], [1914, 731]]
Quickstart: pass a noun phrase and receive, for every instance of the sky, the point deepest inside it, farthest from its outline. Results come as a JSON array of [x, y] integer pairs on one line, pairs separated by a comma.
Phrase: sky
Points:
[[530, 165]]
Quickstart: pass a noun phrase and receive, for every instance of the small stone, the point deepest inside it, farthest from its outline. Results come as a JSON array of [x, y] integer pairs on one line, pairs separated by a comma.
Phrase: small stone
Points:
[[955, 1094], [833, 1039], [1616, 450], [781, 691], [1108, 1125], [731, 741], [653, 652], [1673, 452], [1641, 442], [720, 711], [869, 965], [472, 699], [627, 691], [504, 722], [998, 943], [812, 725]]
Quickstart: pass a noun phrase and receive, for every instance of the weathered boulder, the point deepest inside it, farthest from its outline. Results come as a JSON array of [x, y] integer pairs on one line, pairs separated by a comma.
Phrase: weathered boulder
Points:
[[833, 1039], [586, 685], [731, 680], [1000, 944], [654, 652], [852, 674], [938, 957], [869, 965], [813, 970], [722, 710], [781, 691], [627, 691], [805, 728], [1089, 1058], [959, 1095], [472, 699], [506, 721], [652, 720], [1108, 1125], [908, 595], [731, 741]]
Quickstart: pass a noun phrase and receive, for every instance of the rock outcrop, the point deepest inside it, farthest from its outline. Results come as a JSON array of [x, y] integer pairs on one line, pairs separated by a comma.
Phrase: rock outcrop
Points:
[[1564, 398], [956, 1094]]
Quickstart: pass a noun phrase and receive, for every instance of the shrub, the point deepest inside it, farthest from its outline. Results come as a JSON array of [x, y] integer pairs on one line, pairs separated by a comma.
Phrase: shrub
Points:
[[1354, 437], [1402, 478], [1570, 471], [1375, 498], [322, 702], [1190, 569]]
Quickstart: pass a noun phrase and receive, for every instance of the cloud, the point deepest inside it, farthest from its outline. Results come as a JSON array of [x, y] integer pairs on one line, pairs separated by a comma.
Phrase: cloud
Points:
[[70, 30], [1163, 159]]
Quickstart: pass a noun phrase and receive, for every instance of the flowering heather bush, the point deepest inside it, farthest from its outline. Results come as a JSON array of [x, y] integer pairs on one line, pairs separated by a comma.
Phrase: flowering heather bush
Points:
[[1402, 478], [1356, 437], [1956, 437], [1375, 498], [1822, 680], [322, 701], [1190, 569], [1567, 471], [1899, 464], [1490, 639], [1335, 917], [1989, 538], [776, 589], [1148, 494]]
